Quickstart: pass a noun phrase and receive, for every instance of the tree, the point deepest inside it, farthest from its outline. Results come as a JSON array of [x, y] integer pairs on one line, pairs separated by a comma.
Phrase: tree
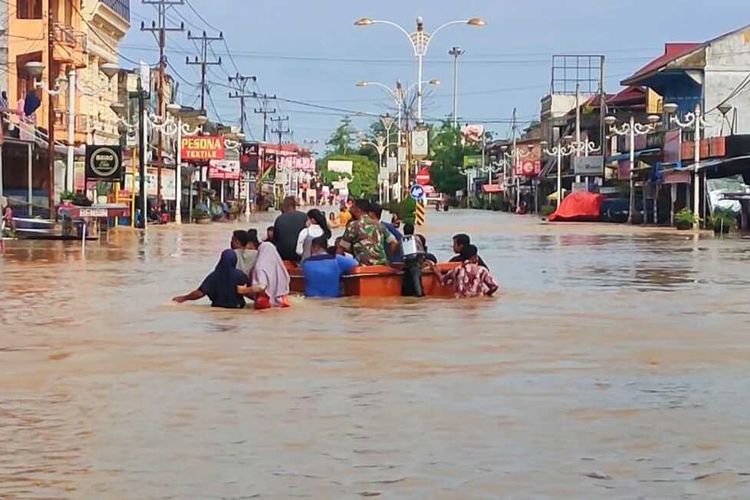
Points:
[[448, 153], [364, 179], [342, 139]]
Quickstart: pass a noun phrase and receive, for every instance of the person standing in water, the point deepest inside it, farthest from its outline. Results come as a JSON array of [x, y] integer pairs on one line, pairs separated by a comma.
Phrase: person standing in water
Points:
[[470, 279], [460, 243], [245, 256], [269, 275], [224, 286]]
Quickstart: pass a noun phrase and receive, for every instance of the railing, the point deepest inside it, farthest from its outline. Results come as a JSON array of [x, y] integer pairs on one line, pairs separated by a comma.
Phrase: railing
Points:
[[121, 7], [66, 35]]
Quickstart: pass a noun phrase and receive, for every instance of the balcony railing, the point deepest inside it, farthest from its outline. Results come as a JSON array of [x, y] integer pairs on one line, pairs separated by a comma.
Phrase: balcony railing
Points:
[[66, 35], [121, 7]]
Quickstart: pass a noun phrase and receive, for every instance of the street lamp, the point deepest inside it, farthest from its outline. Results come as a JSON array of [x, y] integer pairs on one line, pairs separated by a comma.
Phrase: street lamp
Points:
[[398, 94], [632, 129], [562, 149], [420, 42], [695, 120], [381, 147]]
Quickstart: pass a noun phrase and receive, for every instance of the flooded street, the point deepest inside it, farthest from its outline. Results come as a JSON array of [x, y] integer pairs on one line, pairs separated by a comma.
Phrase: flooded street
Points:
[[613, 364]]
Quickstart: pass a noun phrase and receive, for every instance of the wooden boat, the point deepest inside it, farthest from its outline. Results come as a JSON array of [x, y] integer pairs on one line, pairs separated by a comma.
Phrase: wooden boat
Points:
[[377, 281]]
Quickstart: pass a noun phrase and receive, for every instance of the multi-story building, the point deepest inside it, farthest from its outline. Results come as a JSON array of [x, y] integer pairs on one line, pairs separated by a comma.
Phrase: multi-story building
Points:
[[107, 22], [48, 32]]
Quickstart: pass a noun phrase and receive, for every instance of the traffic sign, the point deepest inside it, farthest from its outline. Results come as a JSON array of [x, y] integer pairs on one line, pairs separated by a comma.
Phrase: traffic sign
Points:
[[417, 192]]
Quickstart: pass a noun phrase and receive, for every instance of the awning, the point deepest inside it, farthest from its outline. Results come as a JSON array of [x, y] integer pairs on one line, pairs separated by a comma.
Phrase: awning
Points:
[[626, 156], [492, 188]]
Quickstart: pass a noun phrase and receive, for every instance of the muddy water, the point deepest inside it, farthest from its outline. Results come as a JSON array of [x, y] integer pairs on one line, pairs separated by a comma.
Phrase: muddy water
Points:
[[613, 365]]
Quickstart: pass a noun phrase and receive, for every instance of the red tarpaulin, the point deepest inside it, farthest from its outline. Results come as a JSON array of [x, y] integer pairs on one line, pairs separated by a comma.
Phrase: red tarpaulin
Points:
[[579, 206]]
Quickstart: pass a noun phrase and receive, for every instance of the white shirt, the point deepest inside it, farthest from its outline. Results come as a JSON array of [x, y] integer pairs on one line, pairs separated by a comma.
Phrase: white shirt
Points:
[[305, 239]]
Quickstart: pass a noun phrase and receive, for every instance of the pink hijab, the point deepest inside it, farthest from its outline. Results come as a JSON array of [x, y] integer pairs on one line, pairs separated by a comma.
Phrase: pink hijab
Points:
[[270, 271]]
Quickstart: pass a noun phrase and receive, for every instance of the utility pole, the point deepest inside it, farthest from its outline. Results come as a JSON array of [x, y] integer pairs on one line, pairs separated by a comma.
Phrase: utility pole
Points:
[[51, 119], [202, 60], [455, 52], [160, 29], [282, 128], [241, 94], [264, 110]]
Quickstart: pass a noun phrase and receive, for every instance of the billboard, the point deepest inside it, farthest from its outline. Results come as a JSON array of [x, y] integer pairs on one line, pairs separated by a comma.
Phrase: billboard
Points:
[[202, 147], [340, 166]]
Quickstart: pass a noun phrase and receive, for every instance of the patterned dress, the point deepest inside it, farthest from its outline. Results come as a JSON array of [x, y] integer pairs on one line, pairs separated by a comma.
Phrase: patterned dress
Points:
[[366, 240], [470, 280]]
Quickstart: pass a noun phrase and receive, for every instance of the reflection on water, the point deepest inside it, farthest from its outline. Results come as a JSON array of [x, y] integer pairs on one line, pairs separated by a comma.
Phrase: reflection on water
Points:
[[592, 375]]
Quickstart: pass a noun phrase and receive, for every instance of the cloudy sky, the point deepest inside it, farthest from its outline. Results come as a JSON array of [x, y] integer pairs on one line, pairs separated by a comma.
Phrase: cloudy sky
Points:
[[309, 51]]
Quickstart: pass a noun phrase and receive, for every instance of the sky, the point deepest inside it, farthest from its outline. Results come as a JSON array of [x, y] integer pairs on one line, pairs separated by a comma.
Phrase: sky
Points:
[[310, 51]]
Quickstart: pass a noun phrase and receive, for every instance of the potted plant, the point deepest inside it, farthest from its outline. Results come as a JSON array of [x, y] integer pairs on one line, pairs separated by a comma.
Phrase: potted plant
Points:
[[235, 210], [723, 221], [201, 216], [685, 219], [67, 197], [101, 193]]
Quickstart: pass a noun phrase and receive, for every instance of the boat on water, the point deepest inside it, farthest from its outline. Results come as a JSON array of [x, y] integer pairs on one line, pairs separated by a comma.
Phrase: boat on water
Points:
[[377, 281]]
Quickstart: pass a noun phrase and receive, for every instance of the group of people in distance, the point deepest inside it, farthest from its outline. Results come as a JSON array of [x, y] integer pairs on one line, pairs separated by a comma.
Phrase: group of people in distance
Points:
[[255, 270]]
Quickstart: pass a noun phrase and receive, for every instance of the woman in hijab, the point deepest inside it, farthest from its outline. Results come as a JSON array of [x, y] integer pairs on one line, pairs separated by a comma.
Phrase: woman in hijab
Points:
[[270, 276], [224, 286]]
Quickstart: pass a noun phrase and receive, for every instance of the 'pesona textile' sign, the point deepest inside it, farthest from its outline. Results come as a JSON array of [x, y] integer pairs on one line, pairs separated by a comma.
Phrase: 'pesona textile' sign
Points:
[[201, 148]]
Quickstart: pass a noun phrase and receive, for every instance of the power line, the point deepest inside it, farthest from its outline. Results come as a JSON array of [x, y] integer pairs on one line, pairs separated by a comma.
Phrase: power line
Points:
[[241, 82], [203, 61]]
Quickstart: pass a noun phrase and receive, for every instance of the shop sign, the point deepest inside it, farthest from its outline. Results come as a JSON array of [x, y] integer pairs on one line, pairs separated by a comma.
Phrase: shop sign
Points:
[[204, 147], [103, 162]]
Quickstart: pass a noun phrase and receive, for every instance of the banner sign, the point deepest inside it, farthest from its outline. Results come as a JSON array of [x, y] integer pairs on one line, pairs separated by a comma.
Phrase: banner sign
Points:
[[528, 168], [103, 162], [472, 161], [419, 143], [203, 147], [249, 155], [226, 170], [588, 165]]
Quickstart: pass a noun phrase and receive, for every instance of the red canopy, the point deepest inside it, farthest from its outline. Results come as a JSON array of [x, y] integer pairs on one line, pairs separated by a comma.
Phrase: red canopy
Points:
[[579, 206]]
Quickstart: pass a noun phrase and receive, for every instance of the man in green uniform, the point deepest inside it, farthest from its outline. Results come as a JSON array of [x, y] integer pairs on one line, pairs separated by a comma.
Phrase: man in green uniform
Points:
[[365, 239]]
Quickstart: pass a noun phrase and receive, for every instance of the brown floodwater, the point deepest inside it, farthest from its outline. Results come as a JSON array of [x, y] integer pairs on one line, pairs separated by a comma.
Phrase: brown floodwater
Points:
[[613, 365]]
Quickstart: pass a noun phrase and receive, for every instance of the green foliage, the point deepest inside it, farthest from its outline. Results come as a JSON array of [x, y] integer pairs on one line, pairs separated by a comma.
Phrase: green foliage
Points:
[[723, 221], [404, 209], [67, 196], [364, 178], [685, 219], [199, 213], [448, 155], [342, 139]]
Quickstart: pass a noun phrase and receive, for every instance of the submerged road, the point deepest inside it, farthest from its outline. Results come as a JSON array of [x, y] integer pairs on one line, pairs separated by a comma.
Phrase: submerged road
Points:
[[613, 364]]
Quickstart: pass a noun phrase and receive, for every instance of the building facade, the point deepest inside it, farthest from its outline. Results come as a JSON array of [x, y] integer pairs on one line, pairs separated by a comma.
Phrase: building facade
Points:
[[107, 23]]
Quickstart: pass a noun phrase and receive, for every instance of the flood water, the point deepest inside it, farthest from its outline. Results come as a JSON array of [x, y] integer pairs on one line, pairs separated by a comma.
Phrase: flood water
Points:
[[613, 365]]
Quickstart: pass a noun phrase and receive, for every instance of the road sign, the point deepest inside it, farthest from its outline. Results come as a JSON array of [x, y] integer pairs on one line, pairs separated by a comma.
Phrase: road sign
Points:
[[417, 192], [588, 165]]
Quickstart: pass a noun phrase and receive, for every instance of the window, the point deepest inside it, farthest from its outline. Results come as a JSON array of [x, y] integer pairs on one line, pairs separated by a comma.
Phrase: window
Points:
[[29, 9]]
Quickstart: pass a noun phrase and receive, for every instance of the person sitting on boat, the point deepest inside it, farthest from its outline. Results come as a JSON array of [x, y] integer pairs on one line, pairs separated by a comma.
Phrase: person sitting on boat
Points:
[[271, 277], [317, 226], [365, 239], [287, 227], [323, 271], [460, 243], [470, 279], [246, 257], [376, 213], [225, 286]]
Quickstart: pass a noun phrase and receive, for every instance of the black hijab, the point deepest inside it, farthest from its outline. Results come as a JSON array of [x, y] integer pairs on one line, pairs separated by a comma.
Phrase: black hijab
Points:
[[221, 284]]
